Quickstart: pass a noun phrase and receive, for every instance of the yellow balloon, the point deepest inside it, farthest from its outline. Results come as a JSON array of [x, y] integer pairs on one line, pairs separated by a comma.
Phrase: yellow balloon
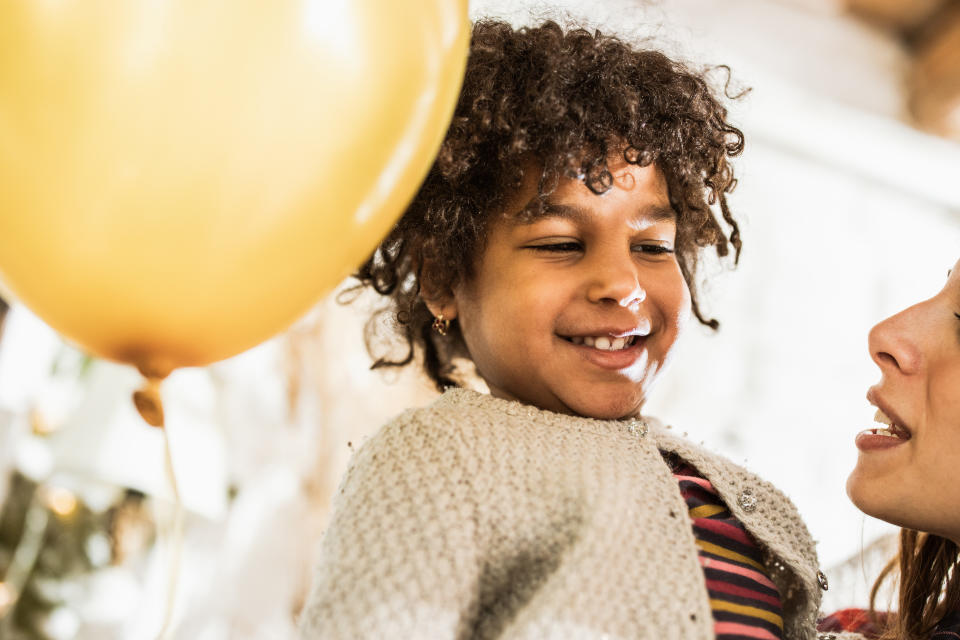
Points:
[[181, 179]]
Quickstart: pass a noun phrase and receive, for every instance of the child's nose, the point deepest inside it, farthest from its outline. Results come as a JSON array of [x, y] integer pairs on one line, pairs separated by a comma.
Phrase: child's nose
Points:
[[615, 280]]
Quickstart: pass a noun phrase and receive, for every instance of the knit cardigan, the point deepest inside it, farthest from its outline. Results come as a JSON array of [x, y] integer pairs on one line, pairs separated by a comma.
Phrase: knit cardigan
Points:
[[478, 517]]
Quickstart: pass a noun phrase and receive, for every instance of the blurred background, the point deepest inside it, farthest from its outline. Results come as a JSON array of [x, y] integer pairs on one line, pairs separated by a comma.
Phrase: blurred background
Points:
[[849, 198]]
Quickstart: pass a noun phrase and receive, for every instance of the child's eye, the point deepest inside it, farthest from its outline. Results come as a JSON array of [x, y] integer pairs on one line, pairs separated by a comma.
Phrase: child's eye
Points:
[[654, 249], [558, 247]]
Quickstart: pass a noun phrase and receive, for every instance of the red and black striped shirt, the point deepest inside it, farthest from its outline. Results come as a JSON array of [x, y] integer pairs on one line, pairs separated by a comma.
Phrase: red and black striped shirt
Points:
[[745, 602], [872, 626]]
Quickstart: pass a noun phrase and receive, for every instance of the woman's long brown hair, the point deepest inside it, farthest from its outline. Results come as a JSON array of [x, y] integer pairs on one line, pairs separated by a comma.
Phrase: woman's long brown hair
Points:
[[929, 585]]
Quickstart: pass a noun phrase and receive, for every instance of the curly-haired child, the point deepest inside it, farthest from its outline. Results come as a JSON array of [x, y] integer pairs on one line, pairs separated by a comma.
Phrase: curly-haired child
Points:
[[555, 245]]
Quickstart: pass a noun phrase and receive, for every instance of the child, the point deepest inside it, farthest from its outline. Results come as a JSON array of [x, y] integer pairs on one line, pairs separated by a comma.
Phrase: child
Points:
[[554, 244]]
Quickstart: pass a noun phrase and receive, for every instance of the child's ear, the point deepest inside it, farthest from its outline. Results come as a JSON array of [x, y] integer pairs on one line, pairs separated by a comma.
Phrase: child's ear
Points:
[[439, 299], [447, 311]]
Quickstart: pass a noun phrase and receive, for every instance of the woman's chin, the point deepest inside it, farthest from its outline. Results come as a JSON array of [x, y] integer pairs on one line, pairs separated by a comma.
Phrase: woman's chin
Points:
[[858, 493], [873, 496]]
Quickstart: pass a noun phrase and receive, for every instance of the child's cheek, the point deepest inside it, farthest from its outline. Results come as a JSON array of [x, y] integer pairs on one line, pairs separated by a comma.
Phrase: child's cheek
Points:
[[684, 310]]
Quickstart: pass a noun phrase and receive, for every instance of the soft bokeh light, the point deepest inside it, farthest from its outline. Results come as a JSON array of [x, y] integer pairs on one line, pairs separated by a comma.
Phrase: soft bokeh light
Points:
[[7, 597], [61, 501]]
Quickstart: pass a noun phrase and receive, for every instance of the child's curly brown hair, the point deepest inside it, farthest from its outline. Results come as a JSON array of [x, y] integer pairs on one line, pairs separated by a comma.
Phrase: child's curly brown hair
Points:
[[568, 99]]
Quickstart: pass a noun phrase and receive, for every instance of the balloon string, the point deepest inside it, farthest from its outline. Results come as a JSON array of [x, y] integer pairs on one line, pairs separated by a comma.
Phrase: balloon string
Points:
[[150, 405], [176, 542]]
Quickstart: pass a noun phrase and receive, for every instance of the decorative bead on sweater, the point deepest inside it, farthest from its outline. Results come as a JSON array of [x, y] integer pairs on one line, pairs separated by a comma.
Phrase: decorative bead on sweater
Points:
[[478, 517]]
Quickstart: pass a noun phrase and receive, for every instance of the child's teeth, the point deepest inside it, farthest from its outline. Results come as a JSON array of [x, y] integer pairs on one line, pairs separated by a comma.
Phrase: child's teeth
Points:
[[604, 343]]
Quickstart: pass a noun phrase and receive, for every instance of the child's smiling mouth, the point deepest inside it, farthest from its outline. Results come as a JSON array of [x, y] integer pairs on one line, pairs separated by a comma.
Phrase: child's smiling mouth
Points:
[[614, 350], [603, 342]]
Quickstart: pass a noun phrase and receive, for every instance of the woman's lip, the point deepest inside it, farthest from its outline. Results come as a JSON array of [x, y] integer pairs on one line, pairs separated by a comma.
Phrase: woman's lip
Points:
[[615, 360], [873, 397], [870, 441]]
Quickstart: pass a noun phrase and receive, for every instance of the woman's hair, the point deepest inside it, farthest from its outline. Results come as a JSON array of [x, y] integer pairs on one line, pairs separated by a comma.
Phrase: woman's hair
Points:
[[570, 100], [928, 581]]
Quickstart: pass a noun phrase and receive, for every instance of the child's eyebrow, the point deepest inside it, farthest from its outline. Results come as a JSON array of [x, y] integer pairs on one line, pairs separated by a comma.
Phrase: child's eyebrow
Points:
[[533, 213]]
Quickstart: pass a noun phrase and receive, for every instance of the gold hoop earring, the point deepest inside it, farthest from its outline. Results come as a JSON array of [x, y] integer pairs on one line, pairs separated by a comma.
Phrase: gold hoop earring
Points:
[[440, 324]]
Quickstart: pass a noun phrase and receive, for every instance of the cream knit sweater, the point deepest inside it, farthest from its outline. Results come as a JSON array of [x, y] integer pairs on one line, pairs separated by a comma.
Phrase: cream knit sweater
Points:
[[480, 518]]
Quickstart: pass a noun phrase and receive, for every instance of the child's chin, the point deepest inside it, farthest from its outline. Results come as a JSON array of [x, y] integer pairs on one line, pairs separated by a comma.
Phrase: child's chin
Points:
[[607, 409]]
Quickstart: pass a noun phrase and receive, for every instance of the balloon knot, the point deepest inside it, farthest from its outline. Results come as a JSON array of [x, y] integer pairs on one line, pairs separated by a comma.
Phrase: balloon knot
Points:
[[148, 402]]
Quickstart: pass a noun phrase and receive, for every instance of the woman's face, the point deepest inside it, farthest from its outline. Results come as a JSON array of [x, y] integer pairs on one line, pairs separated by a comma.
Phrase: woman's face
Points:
[[577, 310], [910, 478]]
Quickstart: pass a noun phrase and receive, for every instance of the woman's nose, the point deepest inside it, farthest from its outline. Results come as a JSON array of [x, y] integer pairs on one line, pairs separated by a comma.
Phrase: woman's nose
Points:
[[615, 279], [893, 343]]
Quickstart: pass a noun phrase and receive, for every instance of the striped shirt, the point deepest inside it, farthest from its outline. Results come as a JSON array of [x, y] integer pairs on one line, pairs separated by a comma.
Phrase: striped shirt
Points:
[[745, 602], [871, 626]]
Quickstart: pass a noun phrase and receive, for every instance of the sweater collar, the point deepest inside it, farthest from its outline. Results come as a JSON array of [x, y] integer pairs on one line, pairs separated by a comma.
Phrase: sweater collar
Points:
[[464, 398]]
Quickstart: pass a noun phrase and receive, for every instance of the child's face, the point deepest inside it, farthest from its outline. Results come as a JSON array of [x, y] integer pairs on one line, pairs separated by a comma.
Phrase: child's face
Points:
[[553, 295]]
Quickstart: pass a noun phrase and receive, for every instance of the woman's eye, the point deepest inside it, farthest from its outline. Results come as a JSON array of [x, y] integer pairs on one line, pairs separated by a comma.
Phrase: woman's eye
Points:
[[557, 247]]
